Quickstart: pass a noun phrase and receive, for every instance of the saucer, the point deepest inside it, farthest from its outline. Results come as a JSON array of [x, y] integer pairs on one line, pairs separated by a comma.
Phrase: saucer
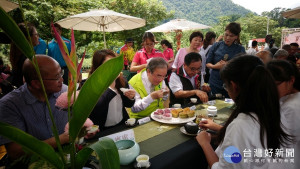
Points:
[[135, 166], [182, 129]]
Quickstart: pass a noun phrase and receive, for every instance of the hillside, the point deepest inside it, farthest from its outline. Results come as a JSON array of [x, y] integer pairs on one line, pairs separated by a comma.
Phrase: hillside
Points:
[[204, 11]]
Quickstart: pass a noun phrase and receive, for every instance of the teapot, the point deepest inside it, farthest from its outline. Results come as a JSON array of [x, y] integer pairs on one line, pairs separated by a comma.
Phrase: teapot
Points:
[[191, 127]]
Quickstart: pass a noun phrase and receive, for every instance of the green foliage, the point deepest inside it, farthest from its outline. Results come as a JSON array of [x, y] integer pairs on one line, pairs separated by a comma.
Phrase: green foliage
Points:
[[8, 27], [205, 12], [31, 144], [81, 109], [90, 92], [276, 14], [41, 13]]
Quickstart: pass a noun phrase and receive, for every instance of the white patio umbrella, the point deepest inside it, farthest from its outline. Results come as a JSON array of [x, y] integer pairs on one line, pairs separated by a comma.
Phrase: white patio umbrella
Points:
[[293, 13], [8, 6], [178, 25], [102, 20]]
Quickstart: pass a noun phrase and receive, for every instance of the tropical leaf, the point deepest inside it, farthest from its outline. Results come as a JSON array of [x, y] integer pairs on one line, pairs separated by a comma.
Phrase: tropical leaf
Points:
[[82, 157], [91, 91], [8, 25], [107, 151], [31, 144]]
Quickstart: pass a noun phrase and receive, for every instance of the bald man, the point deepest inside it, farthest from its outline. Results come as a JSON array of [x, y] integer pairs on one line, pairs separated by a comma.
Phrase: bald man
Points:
[[26, 109], [265, 56]]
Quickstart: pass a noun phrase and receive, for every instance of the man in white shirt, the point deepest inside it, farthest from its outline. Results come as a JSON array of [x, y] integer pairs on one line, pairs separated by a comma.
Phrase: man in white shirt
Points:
[[185, 82], [253, 50], [150, 87]]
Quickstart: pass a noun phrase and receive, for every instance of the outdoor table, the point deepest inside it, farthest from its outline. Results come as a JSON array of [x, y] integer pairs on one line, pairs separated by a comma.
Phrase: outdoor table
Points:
[[166, 146]]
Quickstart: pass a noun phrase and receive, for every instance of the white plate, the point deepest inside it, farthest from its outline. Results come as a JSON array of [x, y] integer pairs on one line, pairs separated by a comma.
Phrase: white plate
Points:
[[173, 120], [182, 129]]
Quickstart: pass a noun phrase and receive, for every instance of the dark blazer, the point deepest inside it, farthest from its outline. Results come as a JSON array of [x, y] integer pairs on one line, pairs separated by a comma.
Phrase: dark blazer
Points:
[[100, 111]]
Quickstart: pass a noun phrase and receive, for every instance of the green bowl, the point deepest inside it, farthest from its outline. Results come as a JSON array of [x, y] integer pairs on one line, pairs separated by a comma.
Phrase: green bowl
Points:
[[128, 151]]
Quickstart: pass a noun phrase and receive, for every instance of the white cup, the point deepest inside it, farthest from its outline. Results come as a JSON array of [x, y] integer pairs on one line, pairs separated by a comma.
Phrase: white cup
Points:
[[193, 100], [177, 105], [212, 111], [130, 121], [142, 161]]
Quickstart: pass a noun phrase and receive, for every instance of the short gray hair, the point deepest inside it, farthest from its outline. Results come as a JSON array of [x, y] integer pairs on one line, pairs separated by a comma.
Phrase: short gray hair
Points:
[[281, 52], [157, 62]]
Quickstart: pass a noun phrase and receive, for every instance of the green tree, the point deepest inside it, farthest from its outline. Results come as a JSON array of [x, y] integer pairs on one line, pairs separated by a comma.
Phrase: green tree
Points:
[[276, 14], [42, 12]]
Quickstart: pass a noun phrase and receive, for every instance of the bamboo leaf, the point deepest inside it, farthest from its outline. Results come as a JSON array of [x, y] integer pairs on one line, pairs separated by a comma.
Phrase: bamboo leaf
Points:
[[8, 25], [91, 91], [31, 143]]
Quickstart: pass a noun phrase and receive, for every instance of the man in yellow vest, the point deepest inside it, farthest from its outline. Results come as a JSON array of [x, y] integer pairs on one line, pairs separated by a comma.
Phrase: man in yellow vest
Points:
[[150, 87]]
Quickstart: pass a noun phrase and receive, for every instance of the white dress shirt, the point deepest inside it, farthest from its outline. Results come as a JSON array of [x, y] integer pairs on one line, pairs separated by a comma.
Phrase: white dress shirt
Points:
[[175, 83], [115, 113], [244, 133], [142, 103]]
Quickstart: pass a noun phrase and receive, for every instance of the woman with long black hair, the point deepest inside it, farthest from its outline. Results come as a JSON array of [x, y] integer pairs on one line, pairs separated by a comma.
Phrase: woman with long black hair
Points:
[[254, 123]]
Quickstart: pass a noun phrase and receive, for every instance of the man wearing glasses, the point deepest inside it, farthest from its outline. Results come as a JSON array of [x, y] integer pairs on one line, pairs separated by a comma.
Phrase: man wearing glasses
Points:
[[150, 87], [185, 82], [26, 108]]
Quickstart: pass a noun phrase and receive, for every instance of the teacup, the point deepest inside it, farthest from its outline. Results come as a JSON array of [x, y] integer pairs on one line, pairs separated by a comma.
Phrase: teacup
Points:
[[193, 100], [130, 122], [177, 105], [142, 161], [212, 111]]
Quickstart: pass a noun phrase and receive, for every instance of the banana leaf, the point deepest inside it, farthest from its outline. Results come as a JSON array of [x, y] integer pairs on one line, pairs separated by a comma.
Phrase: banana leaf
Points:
[[91, 91], [8, 25], [107, 151], [32, 144]]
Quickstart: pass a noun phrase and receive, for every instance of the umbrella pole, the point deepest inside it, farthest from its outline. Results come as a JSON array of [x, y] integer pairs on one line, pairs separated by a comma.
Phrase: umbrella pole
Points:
[[104, 38]]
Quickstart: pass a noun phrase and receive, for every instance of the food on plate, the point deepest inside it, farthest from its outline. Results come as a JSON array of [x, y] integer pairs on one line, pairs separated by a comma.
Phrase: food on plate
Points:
[[169, 113], [183, 115], [186, 110], [167, 116], [175, 113], [159, 113], [191, 113]]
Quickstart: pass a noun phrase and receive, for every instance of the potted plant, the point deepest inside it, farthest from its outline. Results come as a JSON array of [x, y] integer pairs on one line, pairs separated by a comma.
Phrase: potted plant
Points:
[[83, 105]]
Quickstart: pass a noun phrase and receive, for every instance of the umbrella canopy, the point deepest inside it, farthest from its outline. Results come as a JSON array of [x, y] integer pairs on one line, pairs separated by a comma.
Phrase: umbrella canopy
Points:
[[102, 20], [294, 13], [178, 24], [7, 5]]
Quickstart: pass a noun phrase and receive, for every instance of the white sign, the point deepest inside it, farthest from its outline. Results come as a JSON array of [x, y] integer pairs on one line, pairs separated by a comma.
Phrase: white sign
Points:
[[124, 135]]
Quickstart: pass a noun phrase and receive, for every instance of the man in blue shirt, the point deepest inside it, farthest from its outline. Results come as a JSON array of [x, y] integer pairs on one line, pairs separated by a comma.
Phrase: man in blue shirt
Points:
[[54, 51], [26, 109], [41, 47]]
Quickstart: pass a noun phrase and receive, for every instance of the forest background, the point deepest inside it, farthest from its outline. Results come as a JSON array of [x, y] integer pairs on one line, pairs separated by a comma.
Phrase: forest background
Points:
[[215, 13]]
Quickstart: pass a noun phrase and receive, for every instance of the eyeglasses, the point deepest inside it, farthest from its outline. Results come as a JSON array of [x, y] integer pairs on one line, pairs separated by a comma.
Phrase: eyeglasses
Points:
[[195, 69], [225, 87], [61, 74]]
